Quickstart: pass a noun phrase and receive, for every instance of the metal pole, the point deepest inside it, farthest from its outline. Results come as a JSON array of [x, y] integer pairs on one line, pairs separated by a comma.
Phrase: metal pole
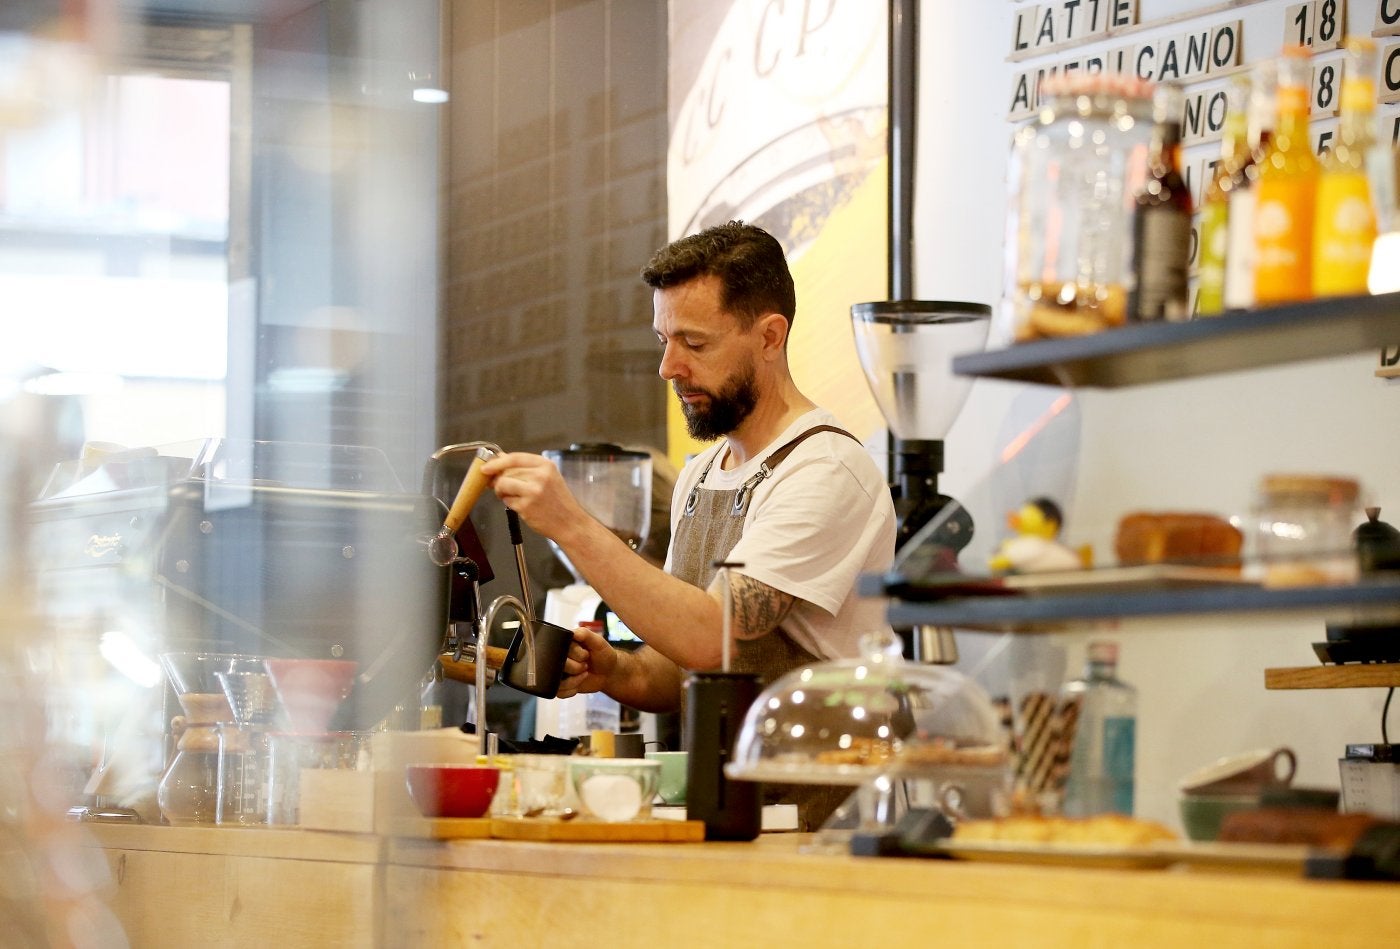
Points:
[[903, 116], [903, 123]]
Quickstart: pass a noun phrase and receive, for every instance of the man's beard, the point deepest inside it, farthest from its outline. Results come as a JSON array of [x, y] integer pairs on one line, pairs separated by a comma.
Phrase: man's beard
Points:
[[726, 409]]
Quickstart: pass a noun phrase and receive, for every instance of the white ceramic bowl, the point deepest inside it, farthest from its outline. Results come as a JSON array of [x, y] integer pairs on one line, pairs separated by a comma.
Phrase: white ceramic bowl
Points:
[[615, 789]]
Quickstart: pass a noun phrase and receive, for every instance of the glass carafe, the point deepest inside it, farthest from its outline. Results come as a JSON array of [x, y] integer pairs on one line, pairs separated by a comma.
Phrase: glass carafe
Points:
[[188, 793]]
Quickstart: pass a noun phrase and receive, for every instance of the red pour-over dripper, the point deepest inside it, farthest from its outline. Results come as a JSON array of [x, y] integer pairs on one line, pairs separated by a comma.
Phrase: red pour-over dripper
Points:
[[311, 690]]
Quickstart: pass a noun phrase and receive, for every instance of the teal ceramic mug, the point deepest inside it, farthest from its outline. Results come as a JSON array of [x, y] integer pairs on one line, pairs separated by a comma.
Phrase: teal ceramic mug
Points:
[[671, 785]]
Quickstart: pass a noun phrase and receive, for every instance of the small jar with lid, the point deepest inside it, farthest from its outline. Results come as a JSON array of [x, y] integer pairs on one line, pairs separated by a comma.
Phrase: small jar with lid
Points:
[[1303, 530]]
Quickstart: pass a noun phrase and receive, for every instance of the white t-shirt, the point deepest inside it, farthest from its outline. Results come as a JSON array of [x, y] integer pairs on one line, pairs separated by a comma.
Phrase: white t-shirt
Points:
[[819, 521]]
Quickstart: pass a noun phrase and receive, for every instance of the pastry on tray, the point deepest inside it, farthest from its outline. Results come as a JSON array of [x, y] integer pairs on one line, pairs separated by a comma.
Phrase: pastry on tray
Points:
[[1101, 830]]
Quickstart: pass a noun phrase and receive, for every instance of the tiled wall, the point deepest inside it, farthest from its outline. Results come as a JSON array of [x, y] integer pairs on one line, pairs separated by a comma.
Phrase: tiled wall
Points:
[[556, 198]]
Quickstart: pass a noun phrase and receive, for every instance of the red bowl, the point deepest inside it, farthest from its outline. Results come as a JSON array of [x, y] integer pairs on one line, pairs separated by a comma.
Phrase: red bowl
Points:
[[452, 790]]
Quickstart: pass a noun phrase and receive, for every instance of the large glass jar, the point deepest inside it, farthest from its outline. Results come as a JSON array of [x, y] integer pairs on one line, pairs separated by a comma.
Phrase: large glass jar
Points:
[[1074, 170], [1303, 527]]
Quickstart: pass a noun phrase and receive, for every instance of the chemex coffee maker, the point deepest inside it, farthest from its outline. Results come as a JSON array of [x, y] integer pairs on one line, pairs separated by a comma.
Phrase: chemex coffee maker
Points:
[[906, 349]]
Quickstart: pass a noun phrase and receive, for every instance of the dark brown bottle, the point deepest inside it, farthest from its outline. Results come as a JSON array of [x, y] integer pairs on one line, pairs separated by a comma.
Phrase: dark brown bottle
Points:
[[1162, 219]]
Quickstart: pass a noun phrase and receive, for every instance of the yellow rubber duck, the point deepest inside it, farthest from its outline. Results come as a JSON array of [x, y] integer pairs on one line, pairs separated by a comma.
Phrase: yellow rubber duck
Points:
[[1035, 547]]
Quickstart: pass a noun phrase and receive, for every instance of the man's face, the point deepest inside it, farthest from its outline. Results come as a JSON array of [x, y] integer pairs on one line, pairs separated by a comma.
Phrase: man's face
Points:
[[708, 357]]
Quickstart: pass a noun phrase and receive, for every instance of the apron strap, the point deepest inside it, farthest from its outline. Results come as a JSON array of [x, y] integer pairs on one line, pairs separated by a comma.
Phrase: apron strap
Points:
[[772, 460], [741, 497]]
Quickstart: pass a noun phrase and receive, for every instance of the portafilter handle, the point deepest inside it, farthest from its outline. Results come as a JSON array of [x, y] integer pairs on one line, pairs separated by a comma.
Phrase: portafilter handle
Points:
[[442, 546], [472, 486]]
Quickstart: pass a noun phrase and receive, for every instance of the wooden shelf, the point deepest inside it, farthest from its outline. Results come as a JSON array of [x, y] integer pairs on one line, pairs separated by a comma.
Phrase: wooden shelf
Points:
[[1357, 676], [1378, 599], [1140, 354], [1143, 353]]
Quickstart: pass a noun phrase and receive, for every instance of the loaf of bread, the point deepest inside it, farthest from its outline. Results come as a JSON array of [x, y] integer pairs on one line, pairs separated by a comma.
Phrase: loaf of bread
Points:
[[1177, 537], [1296, 825]]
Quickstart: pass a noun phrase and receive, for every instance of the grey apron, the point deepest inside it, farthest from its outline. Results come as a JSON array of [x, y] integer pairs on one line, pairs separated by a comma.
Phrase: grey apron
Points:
[[709, 527]]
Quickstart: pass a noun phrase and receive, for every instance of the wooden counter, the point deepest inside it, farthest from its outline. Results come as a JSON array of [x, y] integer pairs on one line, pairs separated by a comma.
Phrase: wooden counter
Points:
[[223, 886], [178, 886]]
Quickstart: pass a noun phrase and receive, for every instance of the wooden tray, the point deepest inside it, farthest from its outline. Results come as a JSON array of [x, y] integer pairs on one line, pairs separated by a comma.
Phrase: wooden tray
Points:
[[1143, 578], [440, 828], [1279, 858], [582, 829]]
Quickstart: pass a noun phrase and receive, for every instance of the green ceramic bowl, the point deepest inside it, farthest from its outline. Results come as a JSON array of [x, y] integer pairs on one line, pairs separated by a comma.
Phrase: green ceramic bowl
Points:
[[1202, 814]]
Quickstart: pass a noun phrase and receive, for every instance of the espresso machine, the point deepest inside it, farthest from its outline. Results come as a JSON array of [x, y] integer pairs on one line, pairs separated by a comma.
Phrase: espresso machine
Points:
[[906, 349], [614, 485]]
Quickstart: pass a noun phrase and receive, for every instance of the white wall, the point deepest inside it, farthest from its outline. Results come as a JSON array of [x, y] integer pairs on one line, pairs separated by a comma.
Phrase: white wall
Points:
[[1199, 444]]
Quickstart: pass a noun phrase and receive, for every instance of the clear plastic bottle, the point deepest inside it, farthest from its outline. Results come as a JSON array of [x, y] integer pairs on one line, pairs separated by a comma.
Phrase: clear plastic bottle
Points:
[[1104, 709]]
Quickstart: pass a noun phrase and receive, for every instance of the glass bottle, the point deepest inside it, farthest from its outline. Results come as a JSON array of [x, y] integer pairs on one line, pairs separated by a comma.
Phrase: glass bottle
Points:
[[1383, 169], [1103, 709], [1162, 219], [1287, 187], [1239, 244], [1215, 203], [1346, 213]]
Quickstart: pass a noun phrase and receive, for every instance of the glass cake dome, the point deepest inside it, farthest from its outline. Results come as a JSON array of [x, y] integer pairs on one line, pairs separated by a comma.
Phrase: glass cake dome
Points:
[[850, 721]]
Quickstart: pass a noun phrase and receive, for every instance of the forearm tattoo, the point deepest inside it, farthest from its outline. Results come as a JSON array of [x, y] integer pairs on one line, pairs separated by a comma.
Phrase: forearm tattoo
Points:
[[758, 608]]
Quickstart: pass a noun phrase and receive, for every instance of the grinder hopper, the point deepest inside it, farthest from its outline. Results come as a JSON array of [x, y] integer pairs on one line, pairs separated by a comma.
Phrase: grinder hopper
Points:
[[613, 484], [906, 349]]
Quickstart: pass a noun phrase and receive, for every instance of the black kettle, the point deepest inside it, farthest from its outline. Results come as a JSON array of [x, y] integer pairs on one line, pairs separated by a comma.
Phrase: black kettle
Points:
[[1377, 543]]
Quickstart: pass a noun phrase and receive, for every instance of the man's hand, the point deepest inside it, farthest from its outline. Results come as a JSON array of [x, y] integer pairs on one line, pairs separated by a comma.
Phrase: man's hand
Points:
[[591, 660], [643, 679], [531, 486]]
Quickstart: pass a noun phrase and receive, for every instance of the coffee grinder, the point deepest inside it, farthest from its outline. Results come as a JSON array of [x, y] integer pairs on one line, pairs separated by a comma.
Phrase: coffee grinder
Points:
[[906, 349], [614, 485]]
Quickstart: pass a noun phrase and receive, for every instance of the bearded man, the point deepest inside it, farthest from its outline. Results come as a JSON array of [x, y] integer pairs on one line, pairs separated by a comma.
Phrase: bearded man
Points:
[[784, 491]]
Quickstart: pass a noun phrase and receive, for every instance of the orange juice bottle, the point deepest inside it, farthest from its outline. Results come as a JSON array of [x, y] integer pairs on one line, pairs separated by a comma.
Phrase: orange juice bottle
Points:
[[1346, 214], [1287, 187]]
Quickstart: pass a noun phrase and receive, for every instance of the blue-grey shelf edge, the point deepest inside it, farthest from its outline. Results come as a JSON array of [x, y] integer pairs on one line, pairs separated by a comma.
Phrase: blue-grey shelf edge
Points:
[[1372, 600], [1142, 353]]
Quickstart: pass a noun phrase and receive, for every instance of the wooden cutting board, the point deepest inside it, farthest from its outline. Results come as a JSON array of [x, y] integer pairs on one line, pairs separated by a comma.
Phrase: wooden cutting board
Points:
[[582, 829], [440, 828]]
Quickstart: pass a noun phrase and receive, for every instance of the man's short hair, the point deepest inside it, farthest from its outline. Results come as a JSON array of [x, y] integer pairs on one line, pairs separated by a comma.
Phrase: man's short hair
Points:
[[749, 262]]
